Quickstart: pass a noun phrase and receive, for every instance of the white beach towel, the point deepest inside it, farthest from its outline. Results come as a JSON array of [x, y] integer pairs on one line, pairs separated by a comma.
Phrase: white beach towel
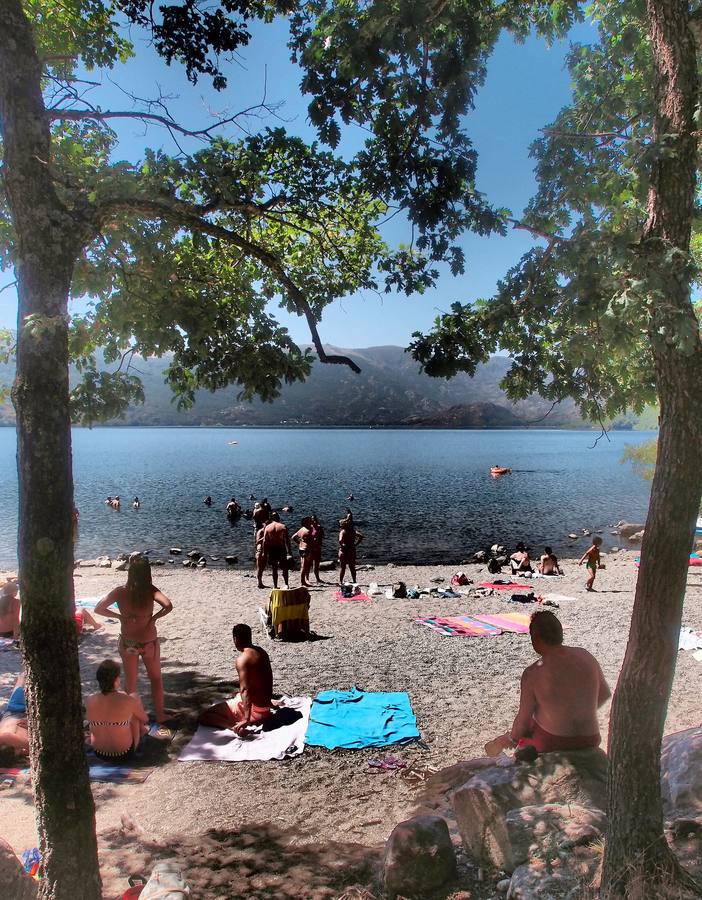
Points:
[[689, 639], [89, 602], [214, 745], [558, 598]]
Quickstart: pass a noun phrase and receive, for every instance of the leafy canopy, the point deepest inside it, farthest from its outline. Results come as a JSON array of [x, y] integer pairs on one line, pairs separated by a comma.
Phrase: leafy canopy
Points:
[[579, 312], [181, 254]]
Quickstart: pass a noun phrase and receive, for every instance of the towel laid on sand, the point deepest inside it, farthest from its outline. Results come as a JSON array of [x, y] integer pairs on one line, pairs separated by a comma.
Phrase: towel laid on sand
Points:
[[689, 639], [89, 602], [364, 598], [509, 586], [119, 774], [517, 623], [355, 719], [461, 626], [214, 745]]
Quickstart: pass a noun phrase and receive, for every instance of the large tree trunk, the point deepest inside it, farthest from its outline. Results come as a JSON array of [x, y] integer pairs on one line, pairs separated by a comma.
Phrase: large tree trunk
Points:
[[638, 861], [47, 242]]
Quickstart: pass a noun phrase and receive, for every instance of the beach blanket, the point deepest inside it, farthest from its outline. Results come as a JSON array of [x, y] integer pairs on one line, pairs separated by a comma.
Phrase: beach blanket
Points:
[[111, 773], [355, 719], [510, 586], [364, 598], [558, 598], [89, 602], [461, 626], [214, 745], [517, 623], [689, 639]]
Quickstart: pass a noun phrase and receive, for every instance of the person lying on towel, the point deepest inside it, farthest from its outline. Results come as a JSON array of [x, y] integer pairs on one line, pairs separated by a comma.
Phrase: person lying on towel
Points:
[[253, 702], [560, 695]]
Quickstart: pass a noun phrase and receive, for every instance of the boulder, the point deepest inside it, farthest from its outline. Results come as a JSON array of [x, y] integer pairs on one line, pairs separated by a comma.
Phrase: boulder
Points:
[[194, 554], [542, 881], [175, 551], [542, 830], [626, 529], [157, 562], [637, 537], [328, 566], [481, 804], [481, 556], [497, 550], [419, 857], [230, 560], [121, 566], [681, 775], [16, 883], [572, 536]]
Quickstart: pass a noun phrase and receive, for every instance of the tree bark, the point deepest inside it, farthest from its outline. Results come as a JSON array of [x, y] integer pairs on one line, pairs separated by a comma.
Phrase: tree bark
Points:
[[47, 242], [638, 861]]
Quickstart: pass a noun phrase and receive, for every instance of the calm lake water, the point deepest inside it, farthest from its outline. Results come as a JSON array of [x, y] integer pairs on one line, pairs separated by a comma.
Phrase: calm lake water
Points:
[[423, 496]]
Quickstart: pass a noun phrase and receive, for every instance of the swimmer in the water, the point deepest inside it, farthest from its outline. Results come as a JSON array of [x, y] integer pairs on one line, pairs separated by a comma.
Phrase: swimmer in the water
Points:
[[136, 503], [208, 500], [350, 497]]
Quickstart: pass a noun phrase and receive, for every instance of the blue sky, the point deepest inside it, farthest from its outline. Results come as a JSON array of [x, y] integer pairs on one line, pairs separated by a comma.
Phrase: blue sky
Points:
[[526, 86]]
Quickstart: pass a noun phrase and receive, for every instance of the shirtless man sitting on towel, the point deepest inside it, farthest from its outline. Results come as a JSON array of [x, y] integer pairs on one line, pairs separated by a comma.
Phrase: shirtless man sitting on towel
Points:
[[253, 702], [560, 695]]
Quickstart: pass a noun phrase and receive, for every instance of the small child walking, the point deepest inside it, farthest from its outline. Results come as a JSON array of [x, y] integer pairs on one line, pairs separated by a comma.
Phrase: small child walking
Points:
[[592, 561]]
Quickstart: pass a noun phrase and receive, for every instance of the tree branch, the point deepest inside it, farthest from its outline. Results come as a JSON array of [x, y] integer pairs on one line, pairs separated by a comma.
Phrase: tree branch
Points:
[[191, 217]]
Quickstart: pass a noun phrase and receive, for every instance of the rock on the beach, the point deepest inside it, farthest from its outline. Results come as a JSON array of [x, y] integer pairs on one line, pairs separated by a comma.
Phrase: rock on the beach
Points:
[[121, 566], [103, 562], [480, 557], [536, 881], [16, 883], [419, 857], [327, 565], [540, 830], [175, 551], [230, 560], [572, 536], [626, 529], [481, 805], [194, 554], [636, 538], [681, 775]]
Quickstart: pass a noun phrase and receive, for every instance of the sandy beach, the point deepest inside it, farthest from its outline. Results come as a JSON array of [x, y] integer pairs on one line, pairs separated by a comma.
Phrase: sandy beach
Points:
[[308, 826]]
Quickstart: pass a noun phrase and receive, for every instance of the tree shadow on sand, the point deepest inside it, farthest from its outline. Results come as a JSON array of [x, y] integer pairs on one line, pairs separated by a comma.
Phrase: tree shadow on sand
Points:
[[258, 861]]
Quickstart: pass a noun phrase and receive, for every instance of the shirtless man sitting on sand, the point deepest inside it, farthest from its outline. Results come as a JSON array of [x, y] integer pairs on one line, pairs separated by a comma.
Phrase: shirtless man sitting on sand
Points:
[[560, 695], [253, 702]]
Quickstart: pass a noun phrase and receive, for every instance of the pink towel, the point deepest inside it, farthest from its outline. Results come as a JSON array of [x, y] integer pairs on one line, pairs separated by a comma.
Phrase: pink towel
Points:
[[507, 587], [364, 598]]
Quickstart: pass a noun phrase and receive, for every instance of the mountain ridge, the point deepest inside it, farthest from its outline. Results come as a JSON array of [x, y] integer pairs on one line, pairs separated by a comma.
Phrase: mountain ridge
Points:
[[390, 391]]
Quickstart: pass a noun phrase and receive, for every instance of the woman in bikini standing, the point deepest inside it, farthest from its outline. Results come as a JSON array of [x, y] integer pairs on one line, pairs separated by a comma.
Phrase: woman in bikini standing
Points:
[[135, 602]]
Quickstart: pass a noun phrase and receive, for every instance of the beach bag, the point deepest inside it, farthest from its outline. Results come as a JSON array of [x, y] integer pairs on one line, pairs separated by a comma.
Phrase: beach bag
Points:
[[399, 590], [166, 883], [493, 567], [349, 590], [523, 598], [460, 578]]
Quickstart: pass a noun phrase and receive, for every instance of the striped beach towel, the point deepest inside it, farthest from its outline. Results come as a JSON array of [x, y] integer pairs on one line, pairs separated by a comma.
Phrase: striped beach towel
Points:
[[461, 626], [517, 623]]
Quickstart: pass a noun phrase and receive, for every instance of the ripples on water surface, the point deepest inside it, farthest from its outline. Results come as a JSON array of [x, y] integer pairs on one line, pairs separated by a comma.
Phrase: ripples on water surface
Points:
[[420, 495]]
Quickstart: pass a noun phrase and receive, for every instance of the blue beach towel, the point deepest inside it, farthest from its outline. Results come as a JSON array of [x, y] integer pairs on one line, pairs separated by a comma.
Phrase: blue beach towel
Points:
[[355, 719]]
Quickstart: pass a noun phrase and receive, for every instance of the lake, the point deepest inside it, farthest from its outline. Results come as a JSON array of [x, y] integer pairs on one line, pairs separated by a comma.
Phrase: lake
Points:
[[423, 496]]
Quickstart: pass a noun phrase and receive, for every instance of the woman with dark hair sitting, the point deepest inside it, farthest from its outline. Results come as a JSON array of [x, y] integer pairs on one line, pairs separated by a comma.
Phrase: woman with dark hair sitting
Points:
[[135, 602], [116, 719]]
